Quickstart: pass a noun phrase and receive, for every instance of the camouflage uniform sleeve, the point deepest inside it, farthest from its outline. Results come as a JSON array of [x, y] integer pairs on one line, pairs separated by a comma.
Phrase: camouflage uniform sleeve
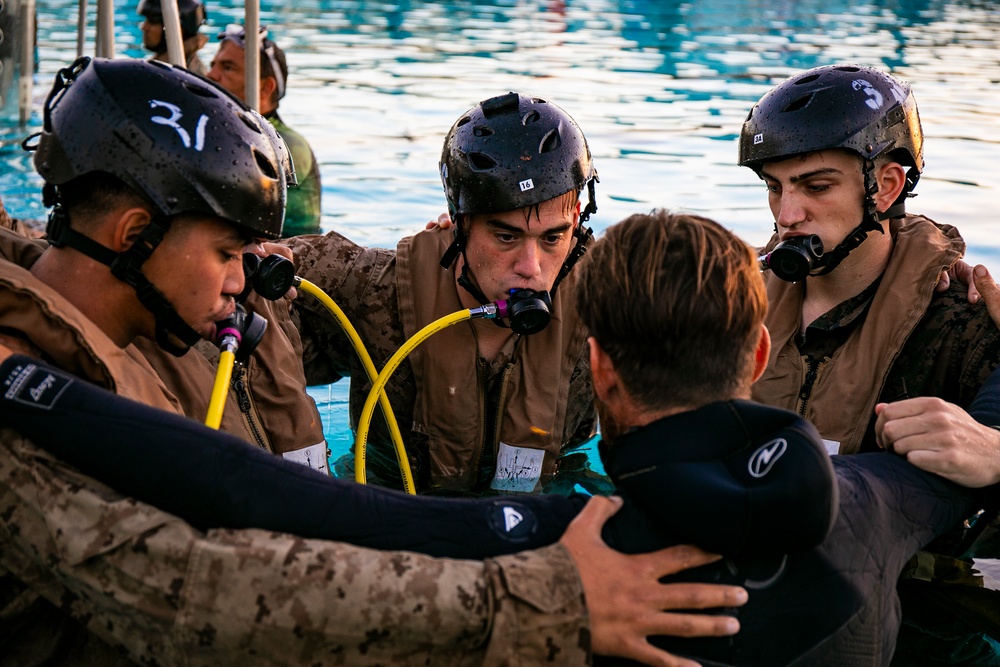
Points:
[[348, 273], [165, 593], [540, 616]]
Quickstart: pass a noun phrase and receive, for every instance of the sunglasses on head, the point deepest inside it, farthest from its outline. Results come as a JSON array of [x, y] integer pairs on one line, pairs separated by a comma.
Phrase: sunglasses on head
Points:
[[237, 35]]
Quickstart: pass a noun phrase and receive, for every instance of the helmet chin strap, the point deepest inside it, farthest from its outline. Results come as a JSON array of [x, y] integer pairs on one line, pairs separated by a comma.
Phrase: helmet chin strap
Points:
[[126, 267], [870, 222]]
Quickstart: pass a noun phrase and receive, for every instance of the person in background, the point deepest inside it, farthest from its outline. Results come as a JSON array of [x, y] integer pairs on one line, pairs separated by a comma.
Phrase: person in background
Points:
[[302, 213], [192, 15]]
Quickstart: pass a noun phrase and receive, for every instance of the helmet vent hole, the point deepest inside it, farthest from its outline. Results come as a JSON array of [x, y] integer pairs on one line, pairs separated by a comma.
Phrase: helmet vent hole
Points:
[[807, 79], [250, 122], [463, 121], [481, 162], [265, 165], [201, 91], [531, 117], [481, 131], [550, 142], [799, 103], [848, 68]]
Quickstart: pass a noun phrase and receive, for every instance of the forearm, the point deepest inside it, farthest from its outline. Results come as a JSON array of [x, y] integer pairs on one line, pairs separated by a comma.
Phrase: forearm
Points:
[[214, 480], [143, 579], [341, 270]]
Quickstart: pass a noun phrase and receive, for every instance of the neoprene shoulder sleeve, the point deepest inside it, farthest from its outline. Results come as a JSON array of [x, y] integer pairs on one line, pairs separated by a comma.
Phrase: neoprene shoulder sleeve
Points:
[[215, 480]]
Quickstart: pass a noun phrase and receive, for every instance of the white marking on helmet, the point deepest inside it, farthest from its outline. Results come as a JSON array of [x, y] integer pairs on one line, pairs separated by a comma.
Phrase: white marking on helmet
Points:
[[526, 185], [758, 138], [176, 115], [199, 133], [875, 98]]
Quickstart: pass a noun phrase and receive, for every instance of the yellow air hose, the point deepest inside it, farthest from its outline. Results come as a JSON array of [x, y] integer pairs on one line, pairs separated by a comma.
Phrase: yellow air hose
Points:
[[379, 383], [220, 389], [373, 375]]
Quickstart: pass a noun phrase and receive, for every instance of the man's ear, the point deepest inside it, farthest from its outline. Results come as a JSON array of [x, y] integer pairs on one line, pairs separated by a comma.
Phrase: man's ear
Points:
[[891, 180], [762, 353], [602, 370], [128, 226], [268, 86]]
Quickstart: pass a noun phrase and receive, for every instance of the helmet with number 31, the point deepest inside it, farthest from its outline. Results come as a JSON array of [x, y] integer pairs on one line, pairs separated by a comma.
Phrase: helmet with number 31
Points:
[[180, 140]]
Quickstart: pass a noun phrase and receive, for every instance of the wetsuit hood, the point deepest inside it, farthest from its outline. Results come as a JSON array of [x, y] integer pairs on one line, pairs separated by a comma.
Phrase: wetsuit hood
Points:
[[733, 477]]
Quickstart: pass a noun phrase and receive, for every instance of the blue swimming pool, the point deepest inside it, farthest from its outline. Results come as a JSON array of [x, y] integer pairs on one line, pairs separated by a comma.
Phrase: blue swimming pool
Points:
[[660, 88]]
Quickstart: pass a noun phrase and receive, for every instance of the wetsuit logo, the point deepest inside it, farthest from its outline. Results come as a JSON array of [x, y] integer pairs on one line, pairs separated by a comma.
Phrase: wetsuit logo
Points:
[[511, 517], [28, 384], [766, 456]]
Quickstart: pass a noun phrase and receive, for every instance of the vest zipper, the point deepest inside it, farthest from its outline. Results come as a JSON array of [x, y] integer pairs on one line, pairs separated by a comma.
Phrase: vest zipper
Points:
[[481, 388], [805, 391], [246, 405], [490, 436]]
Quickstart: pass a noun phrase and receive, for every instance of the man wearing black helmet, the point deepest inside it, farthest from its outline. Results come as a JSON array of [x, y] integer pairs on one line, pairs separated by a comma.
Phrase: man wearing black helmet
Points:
[[477, 395], [192, 15], [302, 213], [146, 238], [840, 149]]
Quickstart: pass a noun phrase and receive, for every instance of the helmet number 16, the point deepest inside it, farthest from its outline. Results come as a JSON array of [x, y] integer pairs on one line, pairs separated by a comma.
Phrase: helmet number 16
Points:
[[175, 115]]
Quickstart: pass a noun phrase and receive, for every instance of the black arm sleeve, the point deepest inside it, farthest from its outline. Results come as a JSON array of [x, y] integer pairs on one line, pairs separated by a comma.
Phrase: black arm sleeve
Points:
[[212, 479]]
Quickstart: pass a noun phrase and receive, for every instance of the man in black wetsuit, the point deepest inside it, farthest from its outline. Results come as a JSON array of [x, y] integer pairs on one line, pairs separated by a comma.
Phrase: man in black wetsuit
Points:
[[697, 462]]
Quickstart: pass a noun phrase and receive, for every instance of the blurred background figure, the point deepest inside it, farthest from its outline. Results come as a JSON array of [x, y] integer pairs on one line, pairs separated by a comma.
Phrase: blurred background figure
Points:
[[193, 15], [302, 213]]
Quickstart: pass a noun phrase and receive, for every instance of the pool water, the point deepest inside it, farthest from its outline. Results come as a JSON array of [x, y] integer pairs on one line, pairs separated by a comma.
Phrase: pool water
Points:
[[659, 87]]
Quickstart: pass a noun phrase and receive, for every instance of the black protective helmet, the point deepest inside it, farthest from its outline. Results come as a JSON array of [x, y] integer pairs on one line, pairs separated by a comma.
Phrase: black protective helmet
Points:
[[860, 109], [510, 152], [192, 14], [177, 138], [513, 151]]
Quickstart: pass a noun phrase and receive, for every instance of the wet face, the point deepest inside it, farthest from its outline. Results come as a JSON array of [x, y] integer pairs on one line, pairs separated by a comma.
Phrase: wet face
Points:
[[199, 269], [227, 69], [520, 249], [818, 193], [152, 34]]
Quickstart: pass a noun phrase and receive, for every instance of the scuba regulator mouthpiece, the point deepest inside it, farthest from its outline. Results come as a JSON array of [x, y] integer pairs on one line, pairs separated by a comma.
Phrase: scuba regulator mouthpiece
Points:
[[527, 311], [794, 259], [270, 277], [240, 333]]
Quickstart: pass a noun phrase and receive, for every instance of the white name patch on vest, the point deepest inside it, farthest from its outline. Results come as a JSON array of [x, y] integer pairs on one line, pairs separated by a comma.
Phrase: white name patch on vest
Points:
[[518, 468], [832, 447], [313, 456]]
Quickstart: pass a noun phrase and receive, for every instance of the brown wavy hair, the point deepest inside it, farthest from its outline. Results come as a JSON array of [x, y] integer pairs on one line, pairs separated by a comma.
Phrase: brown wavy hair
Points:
[[676, 301]]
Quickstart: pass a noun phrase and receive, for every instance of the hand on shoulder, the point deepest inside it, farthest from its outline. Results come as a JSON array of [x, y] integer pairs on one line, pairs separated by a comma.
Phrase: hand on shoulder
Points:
[[626, 601]]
